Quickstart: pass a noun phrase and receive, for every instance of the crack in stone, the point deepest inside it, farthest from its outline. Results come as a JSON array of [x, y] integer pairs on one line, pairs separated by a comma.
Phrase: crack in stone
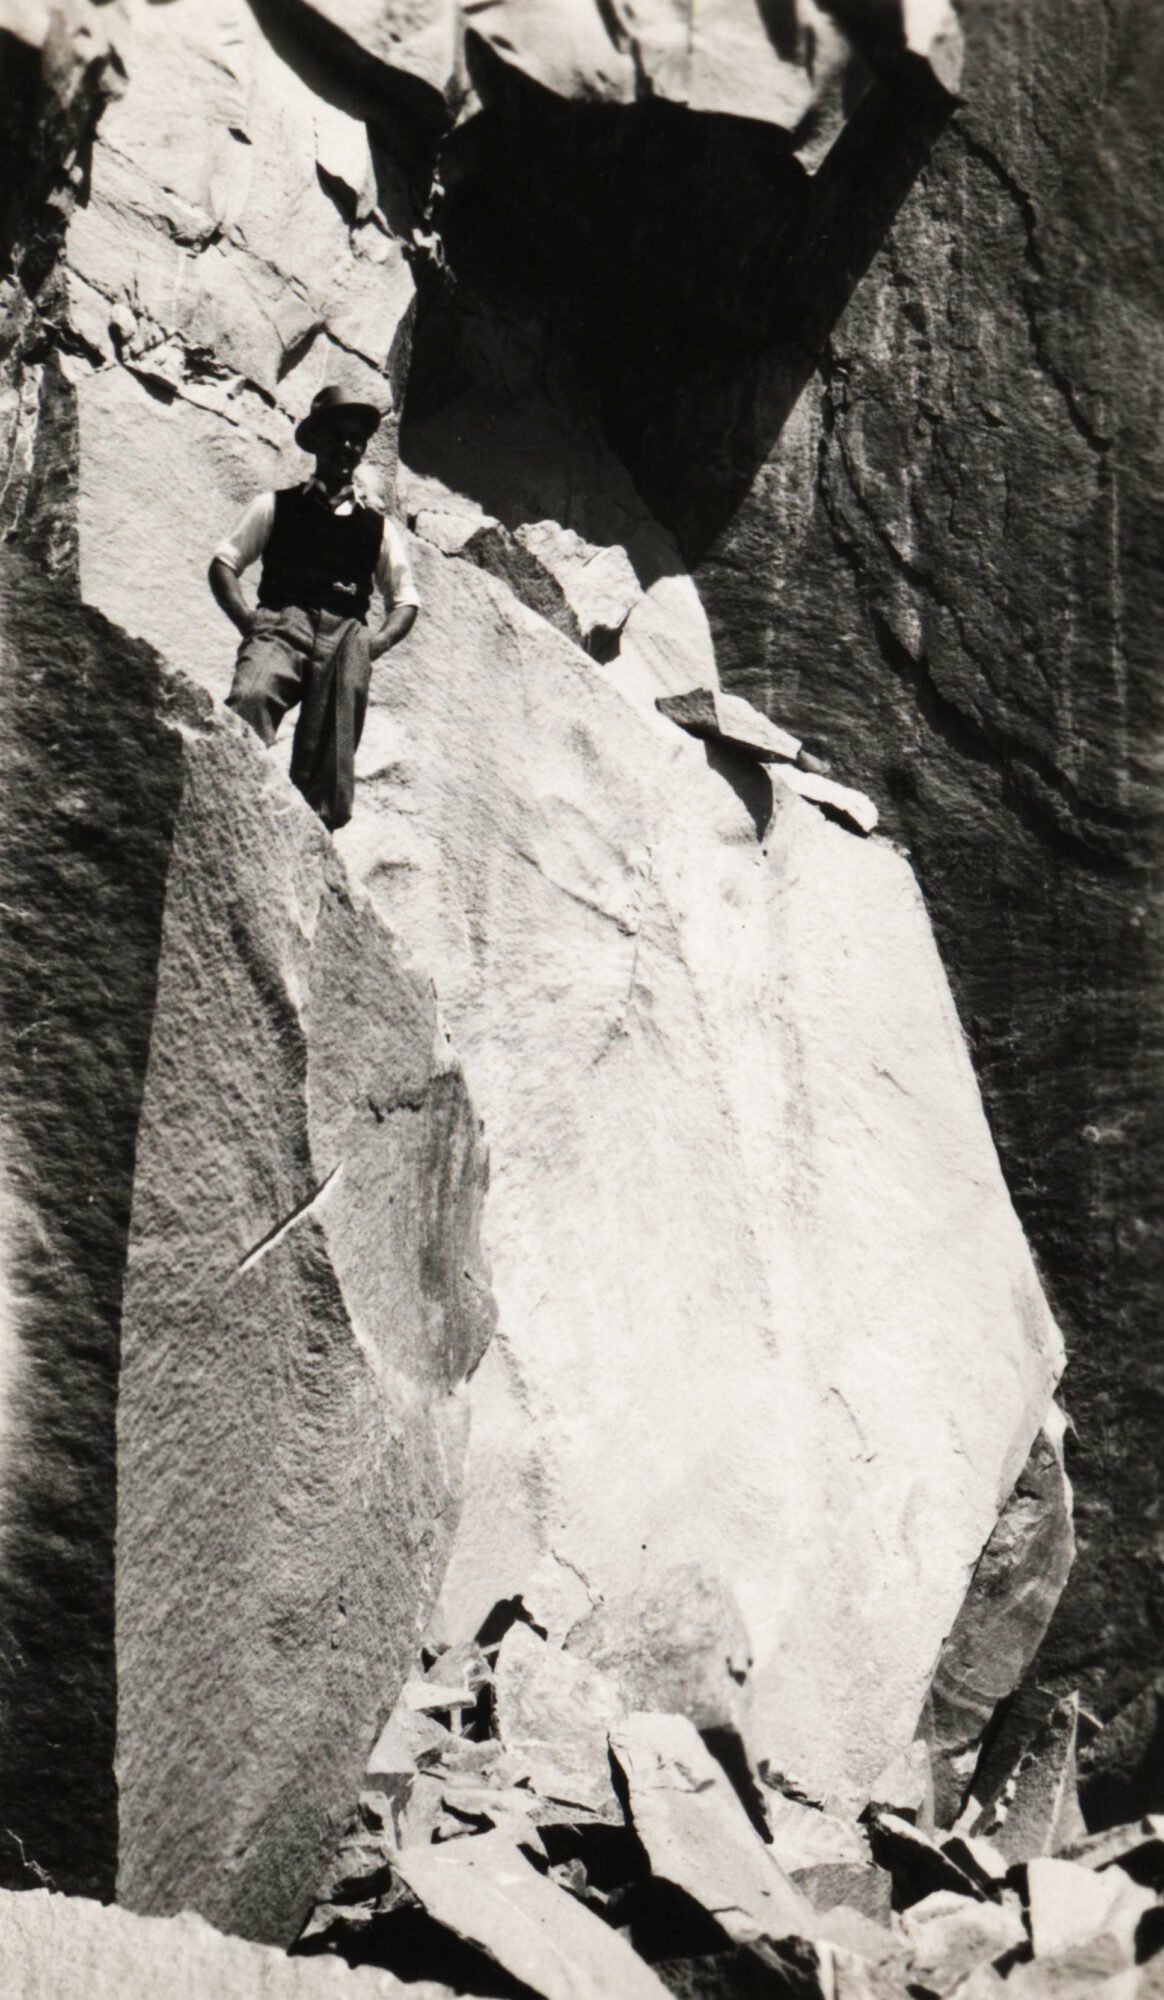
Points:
[[966, 734], [275, 1236], [977, 149]]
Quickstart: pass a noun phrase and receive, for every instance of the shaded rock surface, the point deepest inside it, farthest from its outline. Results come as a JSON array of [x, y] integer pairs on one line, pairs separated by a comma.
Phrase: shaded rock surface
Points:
[[1003, 1620], [244, 1182], [799, 71], [678, 1645]]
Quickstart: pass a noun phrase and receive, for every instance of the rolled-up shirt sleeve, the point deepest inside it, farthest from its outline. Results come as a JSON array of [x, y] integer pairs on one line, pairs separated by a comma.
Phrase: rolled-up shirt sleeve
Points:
[[249, 538], [393, 570]]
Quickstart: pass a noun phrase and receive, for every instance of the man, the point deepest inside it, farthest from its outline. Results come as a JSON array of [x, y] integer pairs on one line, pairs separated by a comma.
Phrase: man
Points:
[[323, 549]]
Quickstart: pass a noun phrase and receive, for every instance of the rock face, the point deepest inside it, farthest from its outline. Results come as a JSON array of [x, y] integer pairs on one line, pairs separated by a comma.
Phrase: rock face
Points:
[[798, 72], [764, 1306], [766, 1313], [898, 417], [943, 569], [244, 1288], [1003, 1620]]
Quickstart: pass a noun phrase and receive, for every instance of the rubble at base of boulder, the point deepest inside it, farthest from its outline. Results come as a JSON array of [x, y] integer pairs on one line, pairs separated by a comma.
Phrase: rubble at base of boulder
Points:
[[473, 1860]]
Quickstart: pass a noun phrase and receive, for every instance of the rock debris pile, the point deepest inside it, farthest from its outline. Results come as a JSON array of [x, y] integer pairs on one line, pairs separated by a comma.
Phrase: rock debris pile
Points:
[[522, 1831]]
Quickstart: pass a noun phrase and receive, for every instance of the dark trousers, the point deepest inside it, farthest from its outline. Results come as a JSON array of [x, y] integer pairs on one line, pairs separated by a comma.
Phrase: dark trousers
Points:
[[321, 660]]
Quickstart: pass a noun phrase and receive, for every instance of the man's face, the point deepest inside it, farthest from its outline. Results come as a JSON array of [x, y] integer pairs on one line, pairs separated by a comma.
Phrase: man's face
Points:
[[340, 450]]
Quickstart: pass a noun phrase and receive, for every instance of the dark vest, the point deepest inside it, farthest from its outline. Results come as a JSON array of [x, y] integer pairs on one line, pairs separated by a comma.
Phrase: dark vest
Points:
[[320, 560]]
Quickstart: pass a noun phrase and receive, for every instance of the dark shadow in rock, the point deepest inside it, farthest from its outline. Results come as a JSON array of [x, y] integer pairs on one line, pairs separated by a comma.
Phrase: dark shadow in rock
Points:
[[86, 860], [412, 1945], [1150, 1935], [678, 272], [496, 1623], [1121, 1771], [749, 781], [727, 1747], [665, 1922], [611, 1855]]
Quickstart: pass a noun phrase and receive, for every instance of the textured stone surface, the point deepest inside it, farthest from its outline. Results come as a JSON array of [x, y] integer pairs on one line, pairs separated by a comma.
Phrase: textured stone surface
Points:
[[697, 1835], [727, 1350], [900, 417], [1033, 1808], [678, 1644], [1007, 1609], [799, 71], [945, 568], [552, 1712], [1069, 1906], [59, 1947], [948, 1936], [487, 1892], [244, 1282]]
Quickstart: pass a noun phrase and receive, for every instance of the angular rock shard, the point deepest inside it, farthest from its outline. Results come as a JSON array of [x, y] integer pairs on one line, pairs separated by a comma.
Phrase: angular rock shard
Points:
[[918, 1865], [1035, 1807], [698, 1837], [1070, 1907], [485, 1891], [553, 1712], [1007, 1609], [852, 1884], [731, 721], [1139, 1850], [245, 1283]]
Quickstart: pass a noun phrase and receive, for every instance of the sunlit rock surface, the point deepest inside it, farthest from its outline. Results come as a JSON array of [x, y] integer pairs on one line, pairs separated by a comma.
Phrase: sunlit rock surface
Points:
[[764, 1304]]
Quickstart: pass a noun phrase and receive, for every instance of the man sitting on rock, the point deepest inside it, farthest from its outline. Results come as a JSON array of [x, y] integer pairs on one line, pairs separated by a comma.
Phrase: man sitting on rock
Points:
[[323, 548]]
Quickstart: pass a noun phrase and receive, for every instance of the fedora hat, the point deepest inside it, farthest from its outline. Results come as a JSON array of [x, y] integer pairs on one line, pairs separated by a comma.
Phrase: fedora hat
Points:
[[329, 404]]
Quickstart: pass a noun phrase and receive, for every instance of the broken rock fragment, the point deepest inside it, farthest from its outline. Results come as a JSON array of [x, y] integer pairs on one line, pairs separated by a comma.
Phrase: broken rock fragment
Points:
[[678, 1646], [1070, 1907], [733, 1368], [1014, 1590], [949, 1935], [730, 720], [699, 1838], [553, 1711], [1138, 1848], [489, 1894], [697, 1834], [918, 1865], [249, 1181], [855, 1885], [1035, 1807], [806, 1837]]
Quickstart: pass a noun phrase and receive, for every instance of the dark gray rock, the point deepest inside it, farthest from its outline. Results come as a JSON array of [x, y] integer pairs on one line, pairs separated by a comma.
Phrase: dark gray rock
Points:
[[1006, 1612]]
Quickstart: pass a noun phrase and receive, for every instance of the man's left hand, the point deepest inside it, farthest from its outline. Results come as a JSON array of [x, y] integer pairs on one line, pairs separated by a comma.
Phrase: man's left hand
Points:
[[395, 627]]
